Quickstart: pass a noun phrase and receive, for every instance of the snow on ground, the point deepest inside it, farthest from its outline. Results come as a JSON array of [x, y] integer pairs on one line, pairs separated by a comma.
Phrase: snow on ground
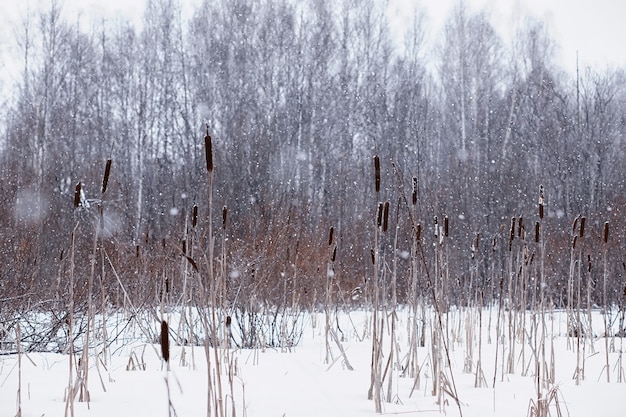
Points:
[[297, 381]]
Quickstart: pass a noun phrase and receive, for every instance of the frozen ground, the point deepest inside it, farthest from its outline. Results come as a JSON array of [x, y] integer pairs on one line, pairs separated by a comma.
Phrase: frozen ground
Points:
[[297, 382]]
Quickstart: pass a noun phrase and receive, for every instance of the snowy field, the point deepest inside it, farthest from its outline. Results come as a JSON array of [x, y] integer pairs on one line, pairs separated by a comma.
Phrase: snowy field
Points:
[[130, 379]]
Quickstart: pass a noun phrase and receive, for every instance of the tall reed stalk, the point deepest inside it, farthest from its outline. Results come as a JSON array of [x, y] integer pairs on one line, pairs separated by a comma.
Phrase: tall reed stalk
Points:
[[374, 392], [605, 304]]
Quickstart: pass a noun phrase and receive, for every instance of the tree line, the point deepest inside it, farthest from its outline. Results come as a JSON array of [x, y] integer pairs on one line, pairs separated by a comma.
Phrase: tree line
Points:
[[298, 97]]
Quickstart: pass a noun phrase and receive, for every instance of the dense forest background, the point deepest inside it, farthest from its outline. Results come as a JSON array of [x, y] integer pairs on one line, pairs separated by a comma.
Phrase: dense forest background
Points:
[[298, 97]]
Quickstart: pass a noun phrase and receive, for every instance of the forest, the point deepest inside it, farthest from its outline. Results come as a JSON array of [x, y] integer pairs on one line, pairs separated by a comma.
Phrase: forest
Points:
[[301, 152]]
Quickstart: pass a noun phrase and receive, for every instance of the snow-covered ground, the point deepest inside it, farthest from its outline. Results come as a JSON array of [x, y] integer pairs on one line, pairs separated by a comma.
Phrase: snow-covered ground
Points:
[[297, 382]]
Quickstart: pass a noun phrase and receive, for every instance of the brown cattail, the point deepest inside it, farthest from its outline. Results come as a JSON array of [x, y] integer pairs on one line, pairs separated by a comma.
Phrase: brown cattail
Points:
[[474, 247], [330, 235], [379, 215], [373, 255], [414, 194], [194, 216], [192, 263], [377, 172], [512, 233], [224, 216], [446, 227], [184, 246], [436, 220], [520, 227], [606, 232], [165, 341], [588, 263], [136, 251], [334, 255], [77, 194], [536, 232], [574, 242], [386, 216], [541, 201], [575, 224], [208, 147], [494, 244], [582, 226], [418, 232], [228, 321], [105, 179]]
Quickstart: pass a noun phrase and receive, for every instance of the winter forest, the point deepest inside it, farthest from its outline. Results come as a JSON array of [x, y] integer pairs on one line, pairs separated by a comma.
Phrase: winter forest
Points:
[[276, 155], [298, 98]]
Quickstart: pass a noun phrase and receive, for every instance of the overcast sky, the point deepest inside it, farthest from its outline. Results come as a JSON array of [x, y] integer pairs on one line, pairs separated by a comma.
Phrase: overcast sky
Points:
[[594, 28]]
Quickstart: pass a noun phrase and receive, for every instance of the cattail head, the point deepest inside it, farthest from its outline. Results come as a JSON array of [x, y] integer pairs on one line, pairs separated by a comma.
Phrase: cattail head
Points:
[[165, 341], [385, 216], [105, 179], [520, 227], [575, 224], [418, 232], [536, 232], [574, 242], [414, 193], [373, 256], [446, 226], [541, 201], [606, 232], [334, 255], [224, 216], [208, 148], [184, 246], [77, 194], [194, 216], [474, 247], [379, 214], [330, 235], [582, 227], [377, 172]]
